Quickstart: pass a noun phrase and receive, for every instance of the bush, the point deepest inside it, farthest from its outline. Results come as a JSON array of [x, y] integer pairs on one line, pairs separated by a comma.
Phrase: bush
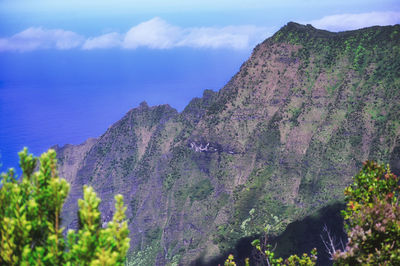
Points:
[[30, 223], [373, 216]]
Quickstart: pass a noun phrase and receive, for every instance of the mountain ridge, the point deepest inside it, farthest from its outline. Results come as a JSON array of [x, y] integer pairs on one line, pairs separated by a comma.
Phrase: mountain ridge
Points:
[[283, 137]]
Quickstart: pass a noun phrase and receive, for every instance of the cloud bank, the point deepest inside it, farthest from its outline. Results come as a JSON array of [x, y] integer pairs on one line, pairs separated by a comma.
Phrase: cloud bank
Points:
[[344, 22], [109, 40], [153, 34], [159, 34], [39, 38]]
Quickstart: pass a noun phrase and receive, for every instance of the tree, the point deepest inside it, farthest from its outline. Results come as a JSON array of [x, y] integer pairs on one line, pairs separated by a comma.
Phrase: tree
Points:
[[30, 223], [373, 218]]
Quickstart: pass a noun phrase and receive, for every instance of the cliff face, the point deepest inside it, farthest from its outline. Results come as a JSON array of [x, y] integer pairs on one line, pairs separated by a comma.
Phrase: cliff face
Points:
[[283, 137]]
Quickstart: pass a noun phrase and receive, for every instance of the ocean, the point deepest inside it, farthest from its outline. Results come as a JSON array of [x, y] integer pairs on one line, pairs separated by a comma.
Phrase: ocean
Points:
[[59, 97]]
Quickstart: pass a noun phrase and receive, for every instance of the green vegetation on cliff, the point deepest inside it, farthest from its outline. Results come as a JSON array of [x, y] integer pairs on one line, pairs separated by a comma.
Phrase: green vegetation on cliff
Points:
[[283, 138]]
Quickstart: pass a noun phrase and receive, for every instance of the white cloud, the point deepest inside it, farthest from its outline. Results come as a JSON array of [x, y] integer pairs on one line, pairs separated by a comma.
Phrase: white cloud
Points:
[[39, 38], [236, 37], [153, 34], [344, 22], [158, 34], [109, 40]]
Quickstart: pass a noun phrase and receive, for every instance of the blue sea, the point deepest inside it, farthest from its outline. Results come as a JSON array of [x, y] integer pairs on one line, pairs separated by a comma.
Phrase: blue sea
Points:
[[59, 97]]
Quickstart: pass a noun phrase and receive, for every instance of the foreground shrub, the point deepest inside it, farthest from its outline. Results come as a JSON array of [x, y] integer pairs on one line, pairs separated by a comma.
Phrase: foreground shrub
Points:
[[373, 216], [30, 224]]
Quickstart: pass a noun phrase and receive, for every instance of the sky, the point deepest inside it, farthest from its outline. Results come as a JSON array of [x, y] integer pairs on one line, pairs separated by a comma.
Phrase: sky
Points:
[[69, 68]]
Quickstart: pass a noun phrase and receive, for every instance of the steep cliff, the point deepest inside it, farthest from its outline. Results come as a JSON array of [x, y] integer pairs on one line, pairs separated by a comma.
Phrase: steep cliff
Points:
[[283, 137]]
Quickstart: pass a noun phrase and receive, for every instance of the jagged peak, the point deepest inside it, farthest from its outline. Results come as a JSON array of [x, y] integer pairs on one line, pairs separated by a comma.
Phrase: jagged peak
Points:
[[143, 105], [145, 115], [88, 142], [293, 29], [298, 26], [208, 93], [294, 32], [197, 106]]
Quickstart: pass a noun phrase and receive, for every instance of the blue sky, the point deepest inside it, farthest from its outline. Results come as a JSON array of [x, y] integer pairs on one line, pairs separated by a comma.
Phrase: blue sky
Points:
[[28, 25], [69, 68]]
